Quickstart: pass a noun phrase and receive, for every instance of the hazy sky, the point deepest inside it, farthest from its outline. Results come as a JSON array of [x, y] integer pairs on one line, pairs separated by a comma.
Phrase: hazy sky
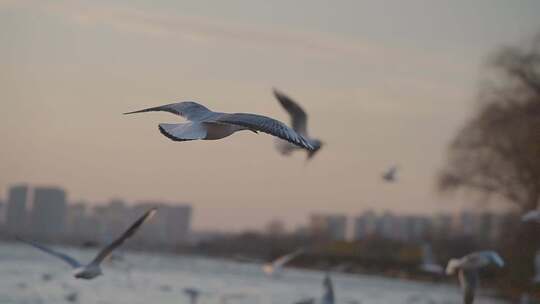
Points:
[[384, 82]]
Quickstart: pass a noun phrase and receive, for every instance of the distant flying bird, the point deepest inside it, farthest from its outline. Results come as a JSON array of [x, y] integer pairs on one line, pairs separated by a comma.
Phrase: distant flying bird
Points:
[[429, 264], [531, 216], [275, 267], [93, 269], [468, 266], [390, 175], [208, 125], [298, 123]]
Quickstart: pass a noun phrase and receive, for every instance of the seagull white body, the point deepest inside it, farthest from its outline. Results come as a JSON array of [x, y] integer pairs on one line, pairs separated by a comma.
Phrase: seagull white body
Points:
[[531, 216], [390, 175], [468, 266], [205, 124], [93, 269], [275, 267], [429, 264], [298, 123]]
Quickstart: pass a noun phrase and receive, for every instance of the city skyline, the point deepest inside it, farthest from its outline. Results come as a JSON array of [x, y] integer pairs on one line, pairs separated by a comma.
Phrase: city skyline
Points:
[[384, 83], [45, 213], [31, 209]]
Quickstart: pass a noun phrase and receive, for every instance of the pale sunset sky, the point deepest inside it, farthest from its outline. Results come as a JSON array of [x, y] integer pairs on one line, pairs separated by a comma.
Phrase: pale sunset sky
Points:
[[384, 82]]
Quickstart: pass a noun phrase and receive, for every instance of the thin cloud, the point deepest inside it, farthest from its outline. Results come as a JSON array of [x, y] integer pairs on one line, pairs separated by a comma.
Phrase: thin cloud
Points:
[[203, 30]]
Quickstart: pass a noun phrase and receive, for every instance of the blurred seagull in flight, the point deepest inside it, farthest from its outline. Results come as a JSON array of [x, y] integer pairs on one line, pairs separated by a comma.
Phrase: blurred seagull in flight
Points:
[[93, 269], [390, 175], [531, 216], [467, 268], [298, 123], [208, 125], [328, 293], [275, 267], [429, 264]]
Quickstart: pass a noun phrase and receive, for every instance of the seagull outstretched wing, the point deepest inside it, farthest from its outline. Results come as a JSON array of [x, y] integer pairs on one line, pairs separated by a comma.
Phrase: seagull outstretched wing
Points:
[[281, 261], [105, 252], [188, 109], [298, 115], [64, 257], [267, 125], [468, 279]]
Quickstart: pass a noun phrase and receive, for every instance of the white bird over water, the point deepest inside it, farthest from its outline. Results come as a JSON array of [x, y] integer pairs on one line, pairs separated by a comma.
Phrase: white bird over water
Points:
[[299, 124], [429, 264], [275, 267], [390, 175], [468, 267], [93, 269], [531, 216], [209, 125]]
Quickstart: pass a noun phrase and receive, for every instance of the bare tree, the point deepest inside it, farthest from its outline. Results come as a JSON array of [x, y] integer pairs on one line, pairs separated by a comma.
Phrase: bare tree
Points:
[[498, 150]]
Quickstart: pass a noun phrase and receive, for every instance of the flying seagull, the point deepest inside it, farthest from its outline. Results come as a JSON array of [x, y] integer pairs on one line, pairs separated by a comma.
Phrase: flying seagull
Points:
[[93, 269], [298, 123], [275, 267], [467, 268], [209, 125], [531, 216], [429, 264], [390, 174], [328, 294]]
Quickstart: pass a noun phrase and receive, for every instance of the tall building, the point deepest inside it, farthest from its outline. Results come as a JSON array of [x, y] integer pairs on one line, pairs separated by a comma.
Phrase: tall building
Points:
[[442, 225], [114, 218], [170, 226], [80, 225], [49, 213], [419, 227], [365, 225], [16, 214], [387, 226], [176, 220], [333, 226], [466, 224]]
